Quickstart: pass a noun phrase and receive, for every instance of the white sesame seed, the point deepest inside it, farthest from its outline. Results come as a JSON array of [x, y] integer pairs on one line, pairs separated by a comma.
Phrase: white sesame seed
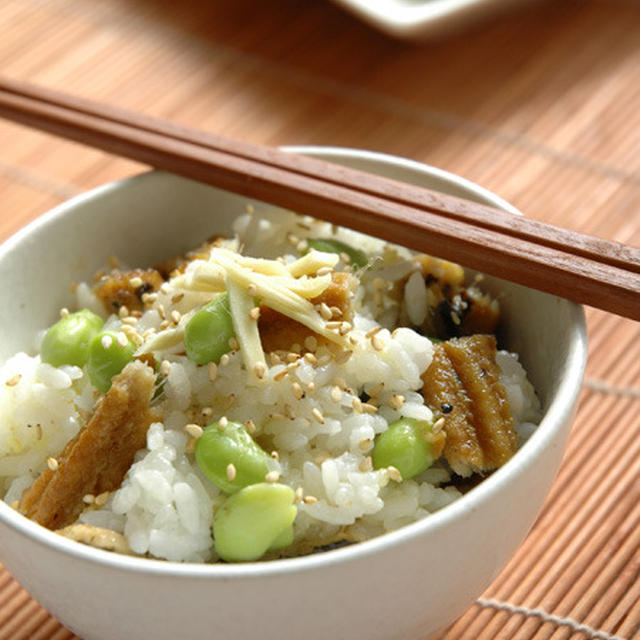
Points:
[[366, 465], [260, 369], [344, 328], [13, 380], [206, 412], [311, 359], [254, 313], [303, 245], [52, 463], [311, 388], [275, 359], [212, 371], [310, 500], [336, 312], [292, 366], [369, 408], [356, 403], [333, 324], [231, 472], [251, 426], [165, 367], [89, 498], [129, 321], [135, 282], [317, 414], [64, 312], [292, 357], [438, 425], [123, 311], [343, 356], [298, 495], [164, 325], [122, 339], [376, 343], [224, 360], [177, 298], [176, 316], [365, 444], [374, 391], [280, 375], [396, 401], [372, 332], [192, 429], [345, 257], [275, 455], [336, 393], [394, 474], [292, 239], [233, 343], [161, 312], [272, 476], [324, 271], [252, 290], [223, 422], [102, 498]]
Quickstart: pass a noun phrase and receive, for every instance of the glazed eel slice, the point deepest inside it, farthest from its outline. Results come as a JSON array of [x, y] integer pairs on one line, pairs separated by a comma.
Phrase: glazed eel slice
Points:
[[463, 385]]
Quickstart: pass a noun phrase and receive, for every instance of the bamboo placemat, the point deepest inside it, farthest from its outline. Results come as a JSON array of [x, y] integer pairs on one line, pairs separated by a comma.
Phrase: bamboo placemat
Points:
[[541, 106]]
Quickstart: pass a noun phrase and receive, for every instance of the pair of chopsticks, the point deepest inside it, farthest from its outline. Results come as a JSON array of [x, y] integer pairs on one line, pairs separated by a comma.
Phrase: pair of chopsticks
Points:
[[582, 268]]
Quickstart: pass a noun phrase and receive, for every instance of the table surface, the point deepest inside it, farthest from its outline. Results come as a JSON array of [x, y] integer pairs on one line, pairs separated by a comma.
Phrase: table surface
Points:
[[541, 106]]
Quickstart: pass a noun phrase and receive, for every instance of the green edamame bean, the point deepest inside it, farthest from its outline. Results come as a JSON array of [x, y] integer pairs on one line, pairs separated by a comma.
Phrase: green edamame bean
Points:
[[68, 340], [404, 445], [253, 521], [207, 334], [328, 245], [107, 358], [217, 448]]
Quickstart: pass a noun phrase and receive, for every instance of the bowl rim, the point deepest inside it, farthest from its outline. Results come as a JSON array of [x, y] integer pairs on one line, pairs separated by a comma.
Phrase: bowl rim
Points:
[[557, 413]]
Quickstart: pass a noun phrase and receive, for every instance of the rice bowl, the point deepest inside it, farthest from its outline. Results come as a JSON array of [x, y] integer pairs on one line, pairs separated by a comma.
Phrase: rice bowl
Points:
[[327, 568]]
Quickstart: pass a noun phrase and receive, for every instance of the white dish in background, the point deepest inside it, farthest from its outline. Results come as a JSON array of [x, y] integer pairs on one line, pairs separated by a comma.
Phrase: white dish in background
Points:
[[422, 19], [403, 585]]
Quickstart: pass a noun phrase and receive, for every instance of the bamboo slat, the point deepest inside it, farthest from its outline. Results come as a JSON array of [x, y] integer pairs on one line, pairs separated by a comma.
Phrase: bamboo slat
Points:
[[542, 106]]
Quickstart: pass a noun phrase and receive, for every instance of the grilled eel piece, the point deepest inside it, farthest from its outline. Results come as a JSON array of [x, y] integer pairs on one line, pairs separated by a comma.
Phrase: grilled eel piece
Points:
[[463, 385], [98, 458]]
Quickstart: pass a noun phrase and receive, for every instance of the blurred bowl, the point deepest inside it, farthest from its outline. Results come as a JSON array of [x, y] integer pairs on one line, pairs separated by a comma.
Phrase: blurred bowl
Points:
[[405, 584]]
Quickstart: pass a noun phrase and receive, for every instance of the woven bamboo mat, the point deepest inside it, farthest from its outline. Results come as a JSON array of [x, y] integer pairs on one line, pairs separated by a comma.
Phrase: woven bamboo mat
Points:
[[541, 106]]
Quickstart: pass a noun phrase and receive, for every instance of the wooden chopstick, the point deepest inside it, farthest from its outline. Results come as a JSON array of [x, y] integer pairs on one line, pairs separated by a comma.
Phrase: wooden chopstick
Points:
[[582, 268]]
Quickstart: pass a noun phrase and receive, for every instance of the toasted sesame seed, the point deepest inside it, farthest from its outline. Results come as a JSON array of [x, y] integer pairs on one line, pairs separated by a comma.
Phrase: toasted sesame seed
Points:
[[165, 367], [13, 380], [317, 414], [129, 321], [64, 312], [89, 498], [161, 312], [123, 311], [356, 403], [190, 447], [233, 343], [149, 298], [394, 474], [231, 472], [135, 282], [311, 388], [102, 498], [372, 332], [122, 339], [366, 464], [192, 429], [310, 500], [344, 328], [289, 412], [212, 371], [254, 313], [292, 357], [298, 495], [311, 359], [437, 425], [176, 316], [223, 422], [333, 324], [252, 290], [343, 356], [325, 311], [369, 408], [251, 426], [297, 390], [311, 343], [374, 391], [275, 359], [336, 393], [224, 360], [177, 298], [396, 401], [336, 312], [52, 463], [260, 369], [164, 325], [280, 375], [292, 366], [272, 476], [365, 444]]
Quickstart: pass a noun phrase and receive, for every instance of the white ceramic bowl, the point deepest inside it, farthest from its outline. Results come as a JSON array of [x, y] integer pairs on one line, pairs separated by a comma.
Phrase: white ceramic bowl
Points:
[[406, 584]]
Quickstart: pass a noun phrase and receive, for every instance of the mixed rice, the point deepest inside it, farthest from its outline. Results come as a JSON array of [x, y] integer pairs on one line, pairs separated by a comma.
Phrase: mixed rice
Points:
[[336, 336]]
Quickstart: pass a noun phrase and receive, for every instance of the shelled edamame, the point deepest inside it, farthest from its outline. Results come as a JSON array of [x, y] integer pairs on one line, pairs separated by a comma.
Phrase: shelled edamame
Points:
[[207, 334]]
